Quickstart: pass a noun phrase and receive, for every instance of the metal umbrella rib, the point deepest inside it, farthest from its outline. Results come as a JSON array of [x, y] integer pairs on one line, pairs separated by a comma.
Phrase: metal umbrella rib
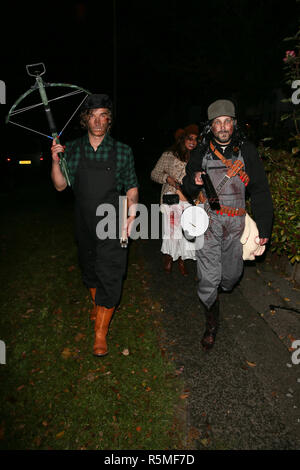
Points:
[[39, 70]]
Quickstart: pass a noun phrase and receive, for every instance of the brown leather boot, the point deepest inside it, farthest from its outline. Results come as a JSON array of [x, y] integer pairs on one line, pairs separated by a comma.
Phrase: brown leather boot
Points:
[[212, 320], [93, 311], [103, 317], [182, 267], [168, 261]]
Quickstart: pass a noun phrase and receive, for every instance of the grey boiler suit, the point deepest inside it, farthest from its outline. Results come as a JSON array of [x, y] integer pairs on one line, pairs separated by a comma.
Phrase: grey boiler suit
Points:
[[219, 261]]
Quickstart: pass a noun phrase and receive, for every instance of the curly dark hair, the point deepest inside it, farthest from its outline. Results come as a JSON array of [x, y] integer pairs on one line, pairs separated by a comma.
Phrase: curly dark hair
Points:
[[237, 139], [84, 116]]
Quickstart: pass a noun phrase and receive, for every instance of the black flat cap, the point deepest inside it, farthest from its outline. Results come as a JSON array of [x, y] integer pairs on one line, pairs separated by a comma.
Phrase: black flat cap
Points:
[[97, 101]]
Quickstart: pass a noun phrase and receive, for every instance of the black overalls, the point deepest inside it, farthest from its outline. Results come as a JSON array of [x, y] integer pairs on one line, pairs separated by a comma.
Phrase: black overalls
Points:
[[102, 261]]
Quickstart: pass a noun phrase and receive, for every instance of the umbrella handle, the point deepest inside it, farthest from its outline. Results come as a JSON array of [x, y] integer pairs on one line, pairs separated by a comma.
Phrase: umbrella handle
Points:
[[35, 69]]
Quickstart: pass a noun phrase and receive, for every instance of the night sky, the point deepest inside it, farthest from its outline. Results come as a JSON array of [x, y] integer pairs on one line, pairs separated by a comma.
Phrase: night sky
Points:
[[162, 62]]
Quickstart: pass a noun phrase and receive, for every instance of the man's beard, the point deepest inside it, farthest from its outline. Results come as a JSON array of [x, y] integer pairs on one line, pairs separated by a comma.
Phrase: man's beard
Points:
[[223, 137]]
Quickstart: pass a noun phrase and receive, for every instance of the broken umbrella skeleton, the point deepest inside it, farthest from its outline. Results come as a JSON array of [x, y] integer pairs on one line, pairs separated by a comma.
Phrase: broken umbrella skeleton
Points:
[[37, 70]]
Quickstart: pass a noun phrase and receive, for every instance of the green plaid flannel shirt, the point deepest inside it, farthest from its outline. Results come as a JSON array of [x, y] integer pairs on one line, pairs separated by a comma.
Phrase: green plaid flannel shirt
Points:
[[125, 171]]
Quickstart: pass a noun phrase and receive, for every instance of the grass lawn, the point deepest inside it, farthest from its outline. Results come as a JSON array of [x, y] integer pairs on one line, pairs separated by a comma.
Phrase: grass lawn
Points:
[[54, 393]]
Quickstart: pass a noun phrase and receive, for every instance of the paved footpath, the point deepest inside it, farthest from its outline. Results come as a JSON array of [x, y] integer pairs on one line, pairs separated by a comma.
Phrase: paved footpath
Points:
[[245, 393]]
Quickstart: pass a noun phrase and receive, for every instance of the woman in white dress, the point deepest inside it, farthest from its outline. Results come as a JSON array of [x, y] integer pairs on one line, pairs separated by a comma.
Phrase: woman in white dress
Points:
[[169, 171]]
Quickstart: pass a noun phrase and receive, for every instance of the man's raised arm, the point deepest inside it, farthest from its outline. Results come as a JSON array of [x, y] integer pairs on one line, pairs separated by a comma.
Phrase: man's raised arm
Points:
[[58, 178]]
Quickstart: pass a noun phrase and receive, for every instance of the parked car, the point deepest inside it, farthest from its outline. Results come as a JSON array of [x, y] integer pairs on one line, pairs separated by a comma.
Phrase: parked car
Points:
[[19, 167]]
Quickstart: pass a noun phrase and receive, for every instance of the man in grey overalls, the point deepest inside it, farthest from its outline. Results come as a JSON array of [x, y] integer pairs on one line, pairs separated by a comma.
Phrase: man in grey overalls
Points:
[[100, 167], [220, 262]]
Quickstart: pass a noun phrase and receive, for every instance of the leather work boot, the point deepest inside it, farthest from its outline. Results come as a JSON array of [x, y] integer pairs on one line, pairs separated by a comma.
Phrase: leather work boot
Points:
[[168, 261], [182, 267], [93, 311], [103, 317], [212, 320]]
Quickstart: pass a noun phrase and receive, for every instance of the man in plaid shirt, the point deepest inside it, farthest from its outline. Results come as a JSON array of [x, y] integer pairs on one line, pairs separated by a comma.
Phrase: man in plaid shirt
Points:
[[100, 168]]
